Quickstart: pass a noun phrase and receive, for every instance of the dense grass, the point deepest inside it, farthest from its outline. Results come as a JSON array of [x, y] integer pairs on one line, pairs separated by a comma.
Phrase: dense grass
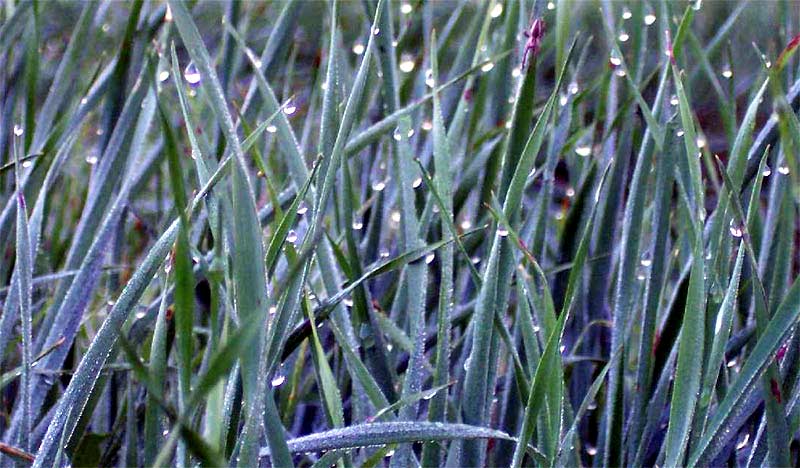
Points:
[[462, 233]]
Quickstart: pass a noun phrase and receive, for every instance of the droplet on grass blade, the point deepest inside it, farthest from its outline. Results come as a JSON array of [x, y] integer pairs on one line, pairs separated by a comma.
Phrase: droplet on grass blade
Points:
[[291, 237], [736, 229], [191, 74], [497, 10], [18, 130], [358, 48]]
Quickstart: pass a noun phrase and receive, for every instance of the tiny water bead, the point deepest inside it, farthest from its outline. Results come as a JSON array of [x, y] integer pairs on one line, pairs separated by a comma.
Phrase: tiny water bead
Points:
[[271, 129], [583, 150], [502, 231], [427, 125], [572, 88], [278, 380], [429, 258], [163, 76], [736, 229], [191, 74], [429, 78], [290, 108], [358, 48], [766, 172], [487, 66], [302, 208], [376, 30], [551, 6], [406, 8], [291, 237], [623, 36], [407, 63], [357, 225], [379, 186], [615, 58], [27, 163], [466, 224], [783, 169], [417, 182], [673, 100], [18, 130], [91, 159], [727, 73], [497, 10]]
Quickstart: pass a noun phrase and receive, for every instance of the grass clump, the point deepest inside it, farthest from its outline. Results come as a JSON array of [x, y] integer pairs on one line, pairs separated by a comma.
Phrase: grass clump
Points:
[[500, 233]]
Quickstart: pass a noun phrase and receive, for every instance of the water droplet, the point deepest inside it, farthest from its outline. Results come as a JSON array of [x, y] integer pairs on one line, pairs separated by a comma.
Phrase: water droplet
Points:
[[466, 224], [673, 100], [727, 73], [27, 163], [767, 171], [384, 253], [744, 439], [614, 58], [563, 99], [551, 6], [379, 186], [623, 36], [583, 150], [572, 88], [163, 76], [516, 72], [429, 258], [273, 310], [395, 216], [91, 159], [406, 8], [398, 134], [620, 73], [417, 182], [358, 48], [291, 237], [497, 10], [407, 63], [427, 125], [141, 314], [348, 303], [376, 30], [679, 133], [502, 231], [783, 169], [701, 142], [278, 380], [487, 66], [191, 74], [570, 192], [429, 78], [646, 261], [697, 5], [649, 18], [290, 108], [271, 129], [357, 224], [467, 362], [591, 451], [18, 130], [626, 13], [736, 229]]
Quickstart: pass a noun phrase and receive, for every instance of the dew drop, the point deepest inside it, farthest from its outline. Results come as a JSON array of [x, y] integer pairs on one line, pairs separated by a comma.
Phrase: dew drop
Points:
[[291, 237], [427, 125], [18, 130], [191, 74], [614, 58], [429, 78], [417, 182], [466, 224], [163, 76], [395, 216], [379, 186], [736, 229], [384, 253], [502, 231], [646, 261], [563, 100], [573, 88], [429, 258], [626, 13], [497, 10], [397, 135], [620, 73], [583, 150], [290, 108], [487, 66], [727, 73], [91, 160], [551, 6], [516, 72], [673, 100], [358, 48], [623, 36], [407, 63], [271, 129], [406, 8], [278, 380], [767, 171], [357, 225], [783, 169], [649, 19], [376, 30], [570, 192], [27, 163]]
